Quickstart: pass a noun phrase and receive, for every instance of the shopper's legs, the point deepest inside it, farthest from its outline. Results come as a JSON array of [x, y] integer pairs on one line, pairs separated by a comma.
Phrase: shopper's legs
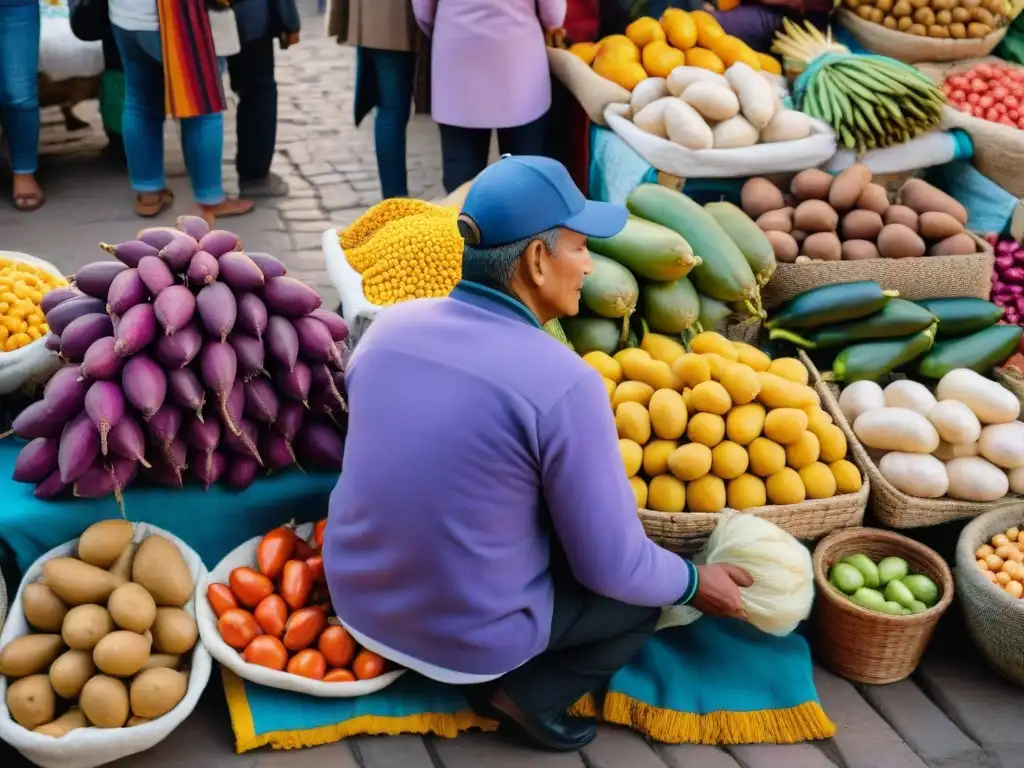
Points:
[[395, 71], [19, 99], [463, 154], [526, 139], [252, 79]]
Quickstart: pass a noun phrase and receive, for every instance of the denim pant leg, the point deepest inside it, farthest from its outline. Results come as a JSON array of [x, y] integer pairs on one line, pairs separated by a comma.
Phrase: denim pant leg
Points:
[[395, 72], [142, 124], [252, 78], [19, 91]]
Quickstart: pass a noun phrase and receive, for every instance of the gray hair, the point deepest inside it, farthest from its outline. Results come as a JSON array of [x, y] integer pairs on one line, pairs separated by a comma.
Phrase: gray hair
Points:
[[496, 266]]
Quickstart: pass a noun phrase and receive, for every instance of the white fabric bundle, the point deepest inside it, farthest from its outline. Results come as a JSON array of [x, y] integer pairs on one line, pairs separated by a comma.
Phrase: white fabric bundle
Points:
[[780, 566]]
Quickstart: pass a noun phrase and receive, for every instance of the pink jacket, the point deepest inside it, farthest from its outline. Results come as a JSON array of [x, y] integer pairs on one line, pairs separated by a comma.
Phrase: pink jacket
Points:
[[489, 68]]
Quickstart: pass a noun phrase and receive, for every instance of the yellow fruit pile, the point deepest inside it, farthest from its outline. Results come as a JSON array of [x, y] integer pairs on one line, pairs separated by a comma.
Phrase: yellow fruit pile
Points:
[[22, 288], [653, 48], [405, 249], [721, 426]]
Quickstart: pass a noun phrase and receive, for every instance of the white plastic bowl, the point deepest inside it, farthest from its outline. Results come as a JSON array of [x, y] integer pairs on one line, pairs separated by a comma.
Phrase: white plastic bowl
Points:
[[33, 361]]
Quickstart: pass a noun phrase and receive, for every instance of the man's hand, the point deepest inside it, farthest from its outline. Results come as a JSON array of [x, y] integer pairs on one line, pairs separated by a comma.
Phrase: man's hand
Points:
[[554, 37], [718, 592]]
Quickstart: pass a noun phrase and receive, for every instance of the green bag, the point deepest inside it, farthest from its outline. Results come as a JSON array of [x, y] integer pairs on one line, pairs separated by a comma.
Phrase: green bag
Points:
[[111, 100], [1012, 46]]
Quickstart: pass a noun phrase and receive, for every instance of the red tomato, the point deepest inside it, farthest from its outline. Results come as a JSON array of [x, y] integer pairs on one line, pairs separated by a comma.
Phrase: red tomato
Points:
[[303, 628], [337, 646], [316, 567], [266, 651], [296, 583], [238, 628], [339, 676], [992, 115], [272, 614], [368, 665], [308, 663], [972, 98], [221, 598], [986, 101], [318, 533], [303, 549], [249, 586], [274, 551]]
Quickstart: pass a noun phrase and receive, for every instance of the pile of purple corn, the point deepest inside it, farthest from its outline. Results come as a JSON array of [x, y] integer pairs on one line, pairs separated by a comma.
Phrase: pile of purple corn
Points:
[[184, 358]]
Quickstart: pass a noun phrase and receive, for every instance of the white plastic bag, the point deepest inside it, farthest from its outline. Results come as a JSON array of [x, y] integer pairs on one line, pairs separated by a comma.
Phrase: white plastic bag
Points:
[[783, 589], [355, 307], [245, 555], [63, 56], [33, 361], [90, 747], [761, 159]]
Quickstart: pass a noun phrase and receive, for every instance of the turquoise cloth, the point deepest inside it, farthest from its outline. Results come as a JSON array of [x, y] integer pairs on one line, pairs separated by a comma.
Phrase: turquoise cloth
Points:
[[989, 206], [212, 522], [764, 684]]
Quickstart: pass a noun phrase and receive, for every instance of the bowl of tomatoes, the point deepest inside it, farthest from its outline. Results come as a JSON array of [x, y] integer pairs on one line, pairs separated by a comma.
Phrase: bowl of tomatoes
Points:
[[264, 613]]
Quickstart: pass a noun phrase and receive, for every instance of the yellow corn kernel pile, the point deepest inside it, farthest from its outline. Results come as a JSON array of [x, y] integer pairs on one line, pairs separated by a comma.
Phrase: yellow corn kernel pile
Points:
[[415, 257], [22, 288]]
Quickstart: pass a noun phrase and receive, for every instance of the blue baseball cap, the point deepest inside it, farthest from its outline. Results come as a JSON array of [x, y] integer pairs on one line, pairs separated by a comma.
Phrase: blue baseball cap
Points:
[[518, 197]]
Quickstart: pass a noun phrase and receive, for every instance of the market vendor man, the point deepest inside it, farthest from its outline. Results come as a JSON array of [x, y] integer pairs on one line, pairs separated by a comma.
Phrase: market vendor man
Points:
[[483, 532]]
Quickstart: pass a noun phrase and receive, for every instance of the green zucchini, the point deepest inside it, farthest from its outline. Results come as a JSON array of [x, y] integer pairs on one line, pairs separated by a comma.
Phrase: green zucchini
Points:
[[960, 316], [898, 317], [749, 238], [714, 314], [873, 360], [831, 304], [589, 334], [981, 351], [669, 308], [723, 273], [648, 250], [610, 290]]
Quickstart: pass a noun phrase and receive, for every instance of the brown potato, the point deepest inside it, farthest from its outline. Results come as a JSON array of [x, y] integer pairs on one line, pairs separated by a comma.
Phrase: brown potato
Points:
[[64, 724], [945, 18], [43, 609], [857, 250], [904, 23], [848, 186], [776, 221], [29, 654], [103, 542], [896, 241], [760, 196], [799, 235], [956, 30], [901, 214], [861, 225], [918, 29], [976, 30], [938, 32], [923, 197], [924, 16], [812, 184], [157, 691], [123, 565], [902, 8], [876, 16], [31, 701], [935, 225], [104, 700], [784, 245], [160, 568], [889, 22], [822, 245], [132, 608], [961, 15], [121, 653], [874, 198], [70, 671], [85, 625], [957, 245], [174, 631], [815, 216]]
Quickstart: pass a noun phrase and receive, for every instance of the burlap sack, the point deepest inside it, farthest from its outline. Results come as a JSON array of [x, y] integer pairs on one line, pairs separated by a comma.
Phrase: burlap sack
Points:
[[998, 149], [993, 617], [911, 48], [592, 91]]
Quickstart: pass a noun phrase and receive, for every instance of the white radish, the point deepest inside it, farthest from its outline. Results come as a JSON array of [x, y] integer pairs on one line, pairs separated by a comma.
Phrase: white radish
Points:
[[1003, 444], [686, 127], [991, 403], [911, 395], [915, 474], [786, 125], [714, 102], [648, 92], [680, 78], [859, 397], [757, 98], [971, 478], [955, 422], [651, 119], [734, 132], [896, 429]]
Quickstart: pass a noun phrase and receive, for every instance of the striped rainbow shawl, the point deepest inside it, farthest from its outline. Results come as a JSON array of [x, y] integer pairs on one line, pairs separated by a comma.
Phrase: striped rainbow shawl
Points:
[[192, 83]]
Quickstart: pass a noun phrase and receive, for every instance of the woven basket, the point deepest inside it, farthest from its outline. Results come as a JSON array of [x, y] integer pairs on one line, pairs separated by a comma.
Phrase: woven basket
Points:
[[867, 646], [890, 506], [993, 617], [930, 277], [998, 149], [747, 332], [810, 520], [911, 48], [1013, 380]]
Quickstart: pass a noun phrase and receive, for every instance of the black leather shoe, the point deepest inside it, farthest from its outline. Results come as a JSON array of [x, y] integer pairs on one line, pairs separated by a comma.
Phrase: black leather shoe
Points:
[[558, 732]]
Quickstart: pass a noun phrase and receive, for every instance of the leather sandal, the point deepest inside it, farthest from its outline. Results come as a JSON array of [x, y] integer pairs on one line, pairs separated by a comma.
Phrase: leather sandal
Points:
[[229, 206], [29, 201], [150, 204]]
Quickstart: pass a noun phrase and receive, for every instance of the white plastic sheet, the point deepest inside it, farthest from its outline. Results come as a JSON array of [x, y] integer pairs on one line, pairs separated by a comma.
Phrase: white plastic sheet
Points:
[[61, 54], [33, 361], [355, 307]]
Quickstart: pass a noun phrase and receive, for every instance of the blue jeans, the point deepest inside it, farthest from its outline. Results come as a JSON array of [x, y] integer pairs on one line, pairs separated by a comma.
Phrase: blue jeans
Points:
[[202, 137], [396, 71], [19, 91]]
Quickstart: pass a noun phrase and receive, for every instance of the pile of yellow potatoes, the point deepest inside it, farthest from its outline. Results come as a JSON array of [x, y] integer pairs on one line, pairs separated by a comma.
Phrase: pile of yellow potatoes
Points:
[[722, 425], [22, 287]]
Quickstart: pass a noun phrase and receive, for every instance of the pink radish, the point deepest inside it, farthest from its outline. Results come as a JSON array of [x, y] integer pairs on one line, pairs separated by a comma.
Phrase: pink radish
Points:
[[295, 384], [202, 270], [57, 296], [178, 253], [290, 297], [174, 307], [52, 342], [290, 417], [323, 383], [155, 274], [101, 361], [164, 425], [217, 310], [315, 342], [277, 452], [64, 393], [128, 441], [334, 322], [51, 487], [322, 404], [282, 342], [124, 471], [218, 242], [80, 334], [144, 384], [320, 446], [163, 474], [218, 366], [202, 434], [252, 315], [126, 291], [130, 252], [269, 266], [36, 460], [249, 351], [61, 316], [176, 455], [96, 482], [37, 421], [79, 448], [236, 401], [158, 237], [105, 405], [186, 389], [245, 442], [241, 473], [260, 401], [195, 227], [240, 272], [179, 350], [94, 279], [135, 331], [208, 467]]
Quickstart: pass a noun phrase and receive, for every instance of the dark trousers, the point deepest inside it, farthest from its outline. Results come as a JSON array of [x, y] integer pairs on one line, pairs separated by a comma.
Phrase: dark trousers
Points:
[[464, 151], [592, 637], [395, 75], [252, 79]]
